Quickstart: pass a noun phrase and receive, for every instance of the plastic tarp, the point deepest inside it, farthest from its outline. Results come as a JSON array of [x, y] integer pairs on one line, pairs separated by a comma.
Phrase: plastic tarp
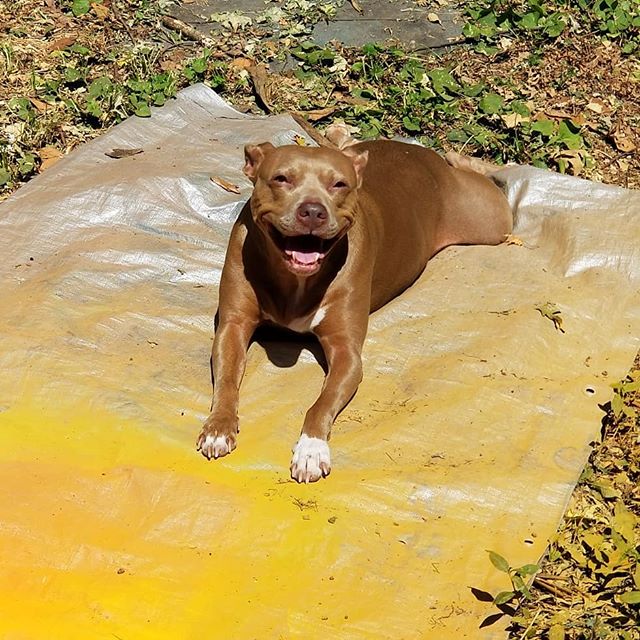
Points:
[[468, 432]]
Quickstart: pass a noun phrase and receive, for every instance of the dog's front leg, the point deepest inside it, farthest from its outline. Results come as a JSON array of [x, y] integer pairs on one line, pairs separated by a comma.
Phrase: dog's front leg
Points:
[[311, 456], [228, 359]]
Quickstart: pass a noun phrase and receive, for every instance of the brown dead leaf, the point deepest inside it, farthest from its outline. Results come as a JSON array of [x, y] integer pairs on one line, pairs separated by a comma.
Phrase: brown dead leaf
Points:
[[225, 184], [433, 17], [100, 10], [573, 159], [512, 120], [48, 156], [511, 239], [170, 65], [123, 153], [61, 43], [597, 106], [49, 152], [356, 5], [317, 114], [623, 139], [39, 105], [623, 165], [241, 63], [558, 113], [264, 84]]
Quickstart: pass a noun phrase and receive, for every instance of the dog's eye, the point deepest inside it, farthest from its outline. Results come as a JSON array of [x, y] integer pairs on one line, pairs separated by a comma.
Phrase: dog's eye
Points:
[[340, 184], [281, 178]]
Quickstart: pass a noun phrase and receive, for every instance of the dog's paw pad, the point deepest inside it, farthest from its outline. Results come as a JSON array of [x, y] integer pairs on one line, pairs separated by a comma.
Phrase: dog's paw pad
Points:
[[215, 446], [311, 459]]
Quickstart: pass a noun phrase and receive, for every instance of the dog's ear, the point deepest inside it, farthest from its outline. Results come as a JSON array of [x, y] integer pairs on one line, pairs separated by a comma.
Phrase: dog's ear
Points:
[[359, 161], [254, 154]]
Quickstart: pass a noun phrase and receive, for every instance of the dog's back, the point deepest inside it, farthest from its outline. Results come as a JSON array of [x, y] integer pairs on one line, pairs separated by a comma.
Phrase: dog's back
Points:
[[417, 204]]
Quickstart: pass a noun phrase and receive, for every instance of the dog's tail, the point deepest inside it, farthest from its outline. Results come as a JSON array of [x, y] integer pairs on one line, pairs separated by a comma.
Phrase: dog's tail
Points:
[[336, 136], [467, 163]]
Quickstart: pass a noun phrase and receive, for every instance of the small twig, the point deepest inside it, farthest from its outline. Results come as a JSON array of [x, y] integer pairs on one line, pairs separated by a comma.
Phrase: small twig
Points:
[[175, 45], [618, 157], [558, 591], [183, 28], [524, 635]]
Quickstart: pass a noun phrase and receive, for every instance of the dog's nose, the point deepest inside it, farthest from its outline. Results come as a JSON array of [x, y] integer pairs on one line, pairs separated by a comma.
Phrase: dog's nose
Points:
[[312, 214]]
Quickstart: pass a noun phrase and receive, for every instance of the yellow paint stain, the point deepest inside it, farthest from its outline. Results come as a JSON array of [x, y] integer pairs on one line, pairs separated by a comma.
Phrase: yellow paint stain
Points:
[[109, 532]]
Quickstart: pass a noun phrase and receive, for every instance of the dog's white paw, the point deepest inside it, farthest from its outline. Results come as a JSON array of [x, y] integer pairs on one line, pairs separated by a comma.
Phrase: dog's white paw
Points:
[[215, 446], [311, 459]]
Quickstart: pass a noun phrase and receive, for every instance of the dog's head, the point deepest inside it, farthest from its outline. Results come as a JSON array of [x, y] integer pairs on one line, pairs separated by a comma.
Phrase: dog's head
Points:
[[303, 199]]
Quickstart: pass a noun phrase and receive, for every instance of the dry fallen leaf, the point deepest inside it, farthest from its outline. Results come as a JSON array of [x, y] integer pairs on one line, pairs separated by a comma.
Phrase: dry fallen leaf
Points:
[[573, 158], [596, 106], [225, 184], [558, 113], [623, 139], [511, 239], [512, 120], [100, 10], [241, 63], [61, 43], [623, 165], [433, 17], [317, 114], [48, 156], [264, 84], [39, 105], [551, 312], [122, 153], [356, 5]]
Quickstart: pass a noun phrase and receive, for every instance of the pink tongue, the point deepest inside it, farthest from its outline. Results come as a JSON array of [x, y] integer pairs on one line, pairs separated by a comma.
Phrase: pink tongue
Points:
[[305, 258]]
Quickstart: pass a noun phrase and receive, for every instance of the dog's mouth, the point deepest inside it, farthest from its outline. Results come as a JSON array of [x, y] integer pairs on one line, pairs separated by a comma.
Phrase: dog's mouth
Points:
[[303, 254]]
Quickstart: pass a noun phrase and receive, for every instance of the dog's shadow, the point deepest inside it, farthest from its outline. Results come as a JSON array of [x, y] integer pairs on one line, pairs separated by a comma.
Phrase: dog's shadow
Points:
[[283, 347]]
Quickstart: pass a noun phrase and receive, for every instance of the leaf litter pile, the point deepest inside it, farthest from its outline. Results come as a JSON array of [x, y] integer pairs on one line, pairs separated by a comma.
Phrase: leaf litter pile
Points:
[[553, 83]]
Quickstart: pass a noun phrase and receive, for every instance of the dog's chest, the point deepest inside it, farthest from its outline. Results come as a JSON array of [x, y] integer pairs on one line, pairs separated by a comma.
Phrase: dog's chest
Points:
[[295, 311], [301, 324]]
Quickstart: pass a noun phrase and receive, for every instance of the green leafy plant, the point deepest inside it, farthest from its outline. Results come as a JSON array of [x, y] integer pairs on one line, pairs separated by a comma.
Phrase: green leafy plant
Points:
[[519, 576], [623, 392], [548, 20]]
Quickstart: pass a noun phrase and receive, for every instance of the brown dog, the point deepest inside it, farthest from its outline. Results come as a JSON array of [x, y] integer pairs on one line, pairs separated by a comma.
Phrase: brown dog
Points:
[[327, 237]]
